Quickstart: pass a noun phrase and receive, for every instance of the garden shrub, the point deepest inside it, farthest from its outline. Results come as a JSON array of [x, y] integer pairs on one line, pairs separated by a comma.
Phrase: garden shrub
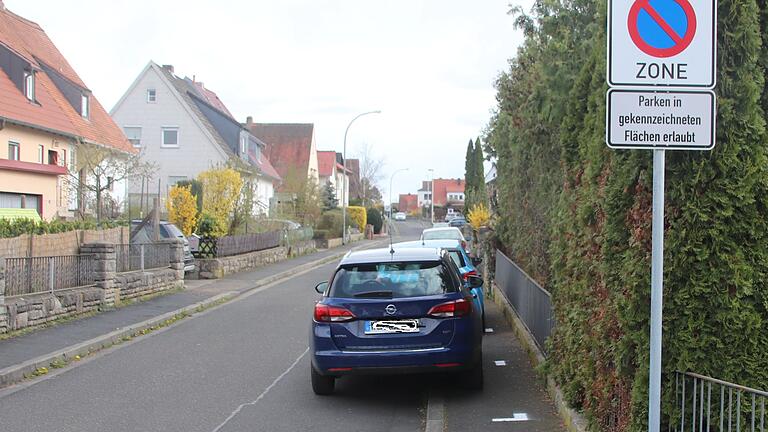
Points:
[[375, 219], [357, 216]]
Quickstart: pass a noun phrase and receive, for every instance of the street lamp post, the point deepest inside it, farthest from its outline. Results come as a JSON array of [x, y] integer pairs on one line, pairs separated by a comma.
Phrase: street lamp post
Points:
[[392, 177], [344, 197], [432, 196]]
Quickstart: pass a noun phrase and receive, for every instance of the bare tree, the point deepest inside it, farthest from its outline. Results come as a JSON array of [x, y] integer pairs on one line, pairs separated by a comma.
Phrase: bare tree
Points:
[[371, 166], [98, 168]]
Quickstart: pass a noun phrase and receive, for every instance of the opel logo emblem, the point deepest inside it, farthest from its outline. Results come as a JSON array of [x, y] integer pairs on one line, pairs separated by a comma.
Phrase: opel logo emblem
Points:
[[390, 309]]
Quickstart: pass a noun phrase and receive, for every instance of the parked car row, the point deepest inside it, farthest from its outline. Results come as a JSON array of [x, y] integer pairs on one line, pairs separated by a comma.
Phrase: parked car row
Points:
[[414, 307]]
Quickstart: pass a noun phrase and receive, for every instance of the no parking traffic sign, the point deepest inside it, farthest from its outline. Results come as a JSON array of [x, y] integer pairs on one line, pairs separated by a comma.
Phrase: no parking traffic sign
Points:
[[662, 43]]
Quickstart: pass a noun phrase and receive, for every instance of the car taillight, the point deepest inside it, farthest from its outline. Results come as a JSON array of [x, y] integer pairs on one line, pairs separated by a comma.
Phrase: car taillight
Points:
[[451, 309], [464, 244], [327, 313], [468, 274]]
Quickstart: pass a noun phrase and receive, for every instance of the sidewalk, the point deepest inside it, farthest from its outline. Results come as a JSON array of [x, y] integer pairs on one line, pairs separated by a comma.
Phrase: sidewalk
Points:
[[21, 349], [514, 397]]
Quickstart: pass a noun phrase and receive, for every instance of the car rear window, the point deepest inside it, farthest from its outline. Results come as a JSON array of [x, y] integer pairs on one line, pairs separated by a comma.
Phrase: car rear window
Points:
[[393, 280], [442, 234], [457, 258], [170, 231]]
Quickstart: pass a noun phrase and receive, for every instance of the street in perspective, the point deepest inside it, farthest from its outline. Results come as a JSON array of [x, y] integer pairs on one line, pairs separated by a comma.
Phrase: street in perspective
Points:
[[540, 216]]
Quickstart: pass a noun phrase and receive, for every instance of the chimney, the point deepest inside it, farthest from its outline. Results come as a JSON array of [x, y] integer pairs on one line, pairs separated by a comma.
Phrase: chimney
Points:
[[169, 68], [249, 121], [2, 6]]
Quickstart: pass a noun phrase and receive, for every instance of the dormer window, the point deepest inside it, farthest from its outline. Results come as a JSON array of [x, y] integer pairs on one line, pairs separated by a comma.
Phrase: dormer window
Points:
[[244, 146], [29, 85], [85, 109]]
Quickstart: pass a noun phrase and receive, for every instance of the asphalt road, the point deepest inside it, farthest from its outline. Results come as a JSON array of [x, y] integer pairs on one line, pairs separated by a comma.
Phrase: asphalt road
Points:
[[243, 366]]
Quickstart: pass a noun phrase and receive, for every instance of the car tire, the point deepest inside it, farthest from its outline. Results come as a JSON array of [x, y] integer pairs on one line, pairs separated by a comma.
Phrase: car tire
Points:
[[322, 385], [473, 378]]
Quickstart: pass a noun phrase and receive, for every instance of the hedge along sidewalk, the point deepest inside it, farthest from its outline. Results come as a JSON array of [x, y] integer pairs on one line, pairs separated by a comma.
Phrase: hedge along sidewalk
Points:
[[24, 354]]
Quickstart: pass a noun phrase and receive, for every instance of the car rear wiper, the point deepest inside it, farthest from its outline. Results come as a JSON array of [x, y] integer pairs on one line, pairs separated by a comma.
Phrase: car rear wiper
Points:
[[374, 294]]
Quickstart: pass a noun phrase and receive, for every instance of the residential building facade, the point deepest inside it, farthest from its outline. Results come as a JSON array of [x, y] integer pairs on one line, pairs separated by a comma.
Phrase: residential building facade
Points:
[[185, 129], [332, 172], [408, 203], [47, 115], [425, 194], [449, 193]]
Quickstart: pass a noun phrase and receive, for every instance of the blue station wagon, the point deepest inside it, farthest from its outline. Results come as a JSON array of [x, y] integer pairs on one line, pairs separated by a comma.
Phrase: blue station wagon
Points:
[[399, 310]]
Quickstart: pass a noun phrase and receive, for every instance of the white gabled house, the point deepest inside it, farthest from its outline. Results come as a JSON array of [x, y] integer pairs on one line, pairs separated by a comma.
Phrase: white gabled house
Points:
[[185, 129]]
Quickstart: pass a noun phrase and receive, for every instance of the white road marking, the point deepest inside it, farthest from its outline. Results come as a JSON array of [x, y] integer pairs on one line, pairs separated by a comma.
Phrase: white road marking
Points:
[[435, 413], [489, 330], [516, 417], [500, 363], [264, 393]]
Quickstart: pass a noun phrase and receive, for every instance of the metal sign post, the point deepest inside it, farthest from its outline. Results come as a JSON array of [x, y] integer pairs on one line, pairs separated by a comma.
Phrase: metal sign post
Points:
[[661, 69], [657, 292]]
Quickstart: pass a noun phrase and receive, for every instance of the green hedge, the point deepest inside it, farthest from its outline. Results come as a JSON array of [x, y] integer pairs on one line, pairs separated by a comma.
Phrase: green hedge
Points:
[[584, 230], [15, 228]]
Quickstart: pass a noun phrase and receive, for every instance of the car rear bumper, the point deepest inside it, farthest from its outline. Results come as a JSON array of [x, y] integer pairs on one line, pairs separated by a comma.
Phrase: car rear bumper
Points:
[[338, 362]]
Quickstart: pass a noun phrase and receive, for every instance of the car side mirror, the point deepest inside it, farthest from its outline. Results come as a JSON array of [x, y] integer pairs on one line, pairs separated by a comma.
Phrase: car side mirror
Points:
[[476, 261], [475, 281], [321, 287]]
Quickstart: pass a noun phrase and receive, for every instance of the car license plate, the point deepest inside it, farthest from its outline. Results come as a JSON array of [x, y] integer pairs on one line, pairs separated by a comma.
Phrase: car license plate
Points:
[[392, 326]]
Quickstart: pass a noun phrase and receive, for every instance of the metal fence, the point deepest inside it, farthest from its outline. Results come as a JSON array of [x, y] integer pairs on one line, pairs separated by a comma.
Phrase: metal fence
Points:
[[709, 404], [47, 274], [532, 303], [142, 256], [239, 244]]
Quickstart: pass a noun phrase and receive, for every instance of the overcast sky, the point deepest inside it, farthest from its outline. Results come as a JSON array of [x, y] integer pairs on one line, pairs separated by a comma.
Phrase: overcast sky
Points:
[[428, 65]]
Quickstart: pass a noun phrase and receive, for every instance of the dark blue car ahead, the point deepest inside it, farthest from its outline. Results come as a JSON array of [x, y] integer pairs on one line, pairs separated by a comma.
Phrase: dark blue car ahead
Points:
[[396, 311]]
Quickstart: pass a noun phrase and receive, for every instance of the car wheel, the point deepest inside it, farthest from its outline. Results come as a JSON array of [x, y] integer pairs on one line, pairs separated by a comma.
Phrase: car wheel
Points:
[[322, 385], [473, 378]]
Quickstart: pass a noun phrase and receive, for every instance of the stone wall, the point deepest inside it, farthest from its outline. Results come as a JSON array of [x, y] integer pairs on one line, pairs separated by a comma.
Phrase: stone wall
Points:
[[216, 268], [302, 248], [67, 243], [38, 309], [328, 243], [137, 284], [108, 290]]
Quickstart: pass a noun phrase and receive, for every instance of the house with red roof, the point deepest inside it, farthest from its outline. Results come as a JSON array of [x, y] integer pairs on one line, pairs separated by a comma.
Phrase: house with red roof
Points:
[[449, 193], [408, 203], [290, 147], [184, 128], [47, 114], [331, 171]]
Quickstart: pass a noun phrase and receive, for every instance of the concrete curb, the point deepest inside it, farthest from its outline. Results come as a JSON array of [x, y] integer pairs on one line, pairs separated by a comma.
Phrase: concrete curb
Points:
[[19, 372], [574, 422]]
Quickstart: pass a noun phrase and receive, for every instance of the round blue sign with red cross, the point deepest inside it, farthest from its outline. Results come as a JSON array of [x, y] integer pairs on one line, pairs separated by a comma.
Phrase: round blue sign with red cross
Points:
[[662, 28]]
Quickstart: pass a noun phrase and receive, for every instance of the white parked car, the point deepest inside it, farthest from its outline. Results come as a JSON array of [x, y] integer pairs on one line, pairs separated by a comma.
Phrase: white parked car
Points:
[[445, 233], [399, 216]]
